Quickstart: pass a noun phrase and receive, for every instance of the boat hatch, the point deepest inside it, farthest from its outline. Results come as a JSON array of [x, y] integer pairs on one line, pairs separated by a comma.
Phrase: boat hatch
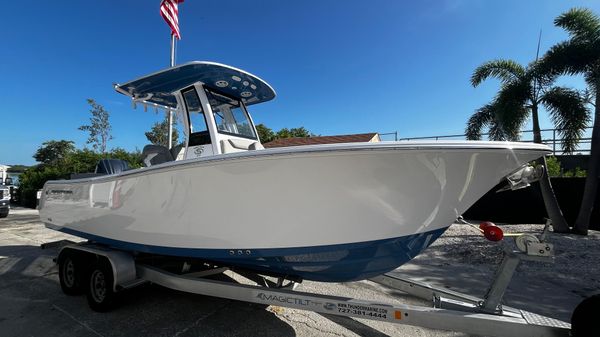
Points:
[[211, 100]]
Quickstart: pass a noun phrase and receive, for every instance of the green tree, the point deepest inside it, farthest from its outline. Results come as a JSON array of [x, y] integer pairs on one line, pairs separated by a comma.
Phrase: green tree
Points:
[[158, 135], [555, 169], [17, 168], [81, 161], [34, 178], [134, 158], [292, 133], [265, 134], [85, 160], [580, 54], [522, 92], [54, 152], [553, 166], [99, 127], [60, 159]]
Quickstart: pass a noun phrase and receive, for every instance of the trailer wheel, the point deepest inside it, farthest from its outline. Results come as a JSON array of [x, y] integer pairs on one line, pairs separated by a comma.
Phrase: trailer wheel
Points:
[[69, 274], [100, 293], [584, 319]]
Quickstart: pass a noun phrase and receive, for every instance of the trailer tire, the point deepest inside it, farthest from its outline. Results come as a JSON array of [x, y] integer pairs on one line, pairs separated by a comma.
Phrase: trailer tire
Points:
[[584, 319], [69, 274], [100, 293]]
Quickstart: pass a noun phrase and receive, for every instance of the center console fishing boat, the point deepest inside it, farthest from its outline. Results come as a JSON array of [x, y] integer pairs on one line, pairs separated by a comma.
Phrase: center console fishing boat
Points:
[[322, 212]]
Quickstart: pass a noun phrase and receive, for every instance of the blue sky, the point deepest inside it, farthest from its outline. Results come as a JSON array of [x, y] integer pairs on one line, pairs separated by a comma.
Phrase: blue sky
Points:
[[338, 67]]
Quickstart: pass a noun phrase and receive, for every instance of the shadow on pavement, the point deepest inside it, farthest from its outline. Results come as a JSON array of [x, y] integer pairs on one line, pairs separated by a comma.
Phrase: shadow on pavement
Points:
[[355, 326], [33, 304], [542, 295]]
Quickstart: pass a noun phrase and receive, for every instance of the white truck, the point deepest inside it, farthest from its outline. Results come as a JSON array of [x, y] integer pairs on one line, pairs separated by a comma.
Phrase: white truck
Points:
[[4, 201]]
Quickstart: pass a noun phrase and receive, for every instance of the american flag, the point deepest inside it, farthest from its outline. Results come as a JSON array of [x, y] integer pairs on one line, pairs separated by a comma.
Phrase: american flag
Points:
[[169, 12]]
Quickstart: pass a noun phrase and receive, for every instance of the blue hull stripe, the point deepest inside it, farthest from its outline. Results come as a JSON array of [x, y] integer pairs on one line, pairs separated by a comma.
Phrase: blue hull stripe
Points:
[[329, 263]]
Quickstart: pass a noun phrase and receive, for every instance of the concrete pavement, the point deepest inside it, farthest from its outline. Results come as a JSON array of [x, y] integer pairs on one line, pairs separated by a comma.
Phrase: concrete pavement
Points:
[[32, 303]]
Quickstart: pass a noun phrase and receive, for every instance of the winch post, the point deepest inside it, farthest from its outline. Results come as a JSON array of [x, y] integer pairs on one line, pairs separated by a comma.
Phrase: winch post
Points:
[[492, 300], [546, 230], [541, 252]]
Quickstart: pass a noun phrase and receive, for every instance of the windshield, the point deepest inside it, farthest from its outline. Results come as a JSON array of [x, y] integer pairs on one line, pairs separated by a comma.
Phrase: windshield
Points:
[[198, 130], [230, 116]]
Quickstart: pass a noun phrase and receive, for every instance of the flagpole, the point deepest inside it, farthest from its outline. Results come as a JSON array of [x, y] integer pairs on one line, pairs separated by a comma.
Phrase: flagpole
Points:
[[172, 50], [169, 112], [169, 12]]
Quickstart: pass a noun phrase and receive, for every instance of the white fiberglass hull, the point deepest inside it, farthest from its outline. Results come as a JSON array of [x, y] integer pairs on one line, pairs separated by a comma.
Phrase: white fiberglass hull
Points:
[[250, 207]]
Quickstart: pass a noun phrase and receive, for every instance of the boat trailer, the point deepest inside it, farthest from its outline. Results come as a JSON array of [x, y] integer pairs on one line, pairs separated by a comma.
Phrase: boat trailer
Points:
[[110, 271]]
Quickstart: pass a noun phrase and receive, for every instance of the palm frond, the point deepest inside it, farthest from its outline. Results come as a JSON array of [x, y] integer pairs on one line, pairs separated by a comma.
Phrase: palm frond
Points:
[[512, 108], [496, 132], [581, 23], [569, 114], [588, 97], [592, 77], [539, 72], [486, 117], [511, 127], [478, 121], [567, 58], [504, 70]]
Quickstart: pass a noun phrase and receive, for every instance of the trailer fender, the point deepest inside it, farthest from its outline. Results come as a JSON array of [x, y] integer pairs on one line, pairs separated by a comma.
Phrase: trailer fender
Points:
[[122, 263]]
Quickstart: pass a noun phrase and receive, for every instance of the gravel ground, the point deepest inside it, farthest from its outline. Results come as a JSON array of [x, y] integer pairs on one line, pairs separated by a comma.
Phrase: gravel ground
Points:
[[575, 257], [463, 260]]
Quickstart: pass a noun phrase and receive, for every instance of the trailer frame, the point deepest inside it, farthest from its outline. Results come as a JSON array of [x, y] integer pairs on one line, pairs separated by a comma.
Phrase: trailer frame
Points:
[[449, 310]]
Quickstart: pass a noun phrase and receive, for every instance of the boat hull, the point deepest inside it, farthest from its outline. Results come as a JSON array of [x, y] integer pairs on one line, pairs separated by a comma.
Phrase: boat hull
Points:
[[326, 213], [330, 263]]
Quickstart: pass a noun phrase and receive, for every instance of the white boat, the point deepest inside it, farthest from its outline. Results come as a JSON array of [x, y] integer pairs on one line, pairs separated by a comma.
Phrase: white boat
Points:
[[321, 212]]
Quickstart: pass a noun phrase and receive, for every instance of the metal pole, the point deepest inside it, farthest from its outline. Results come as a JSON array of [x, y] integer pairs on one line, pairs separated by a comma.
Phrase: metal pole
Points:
[[172, 64], [169, 112], [554, 142]]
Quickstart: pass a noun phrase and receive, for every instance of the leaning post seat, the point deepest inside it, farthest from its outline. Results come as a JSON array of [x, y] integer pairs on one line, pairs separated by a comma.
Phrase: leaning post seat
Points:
[[156, 154], [238, 145], [175, 150]]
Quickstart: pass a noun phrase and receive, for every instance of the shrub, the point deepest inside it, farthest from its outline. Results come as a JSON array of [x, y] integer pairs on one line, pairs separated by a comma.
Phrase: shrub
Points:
[[77, 161], [555, 169], [553, 166], [134, 159], [34, 179]]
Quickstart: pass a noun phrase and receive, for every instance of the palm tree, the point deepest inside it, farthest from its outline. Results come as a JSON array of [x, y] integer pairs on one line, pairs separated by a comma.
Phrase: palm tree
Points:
[[581, 55], [523, 90]]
